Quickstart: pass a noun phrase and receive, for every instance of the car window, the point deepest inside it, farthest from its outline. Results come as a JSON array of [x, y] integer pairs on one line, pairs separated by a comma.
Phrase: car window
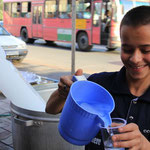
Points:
[[3, 31]]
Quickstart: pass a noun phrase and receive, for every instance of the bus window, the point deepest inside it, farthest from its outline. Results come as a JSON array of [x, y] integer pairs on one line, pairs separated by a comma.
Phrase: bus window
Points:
[[34, 14], [83, 9], [7, 8], [16, 10], [26, 9], [87, 13], [50, 9], [64, 9], [96, 15], [39, 14], [106, 16]]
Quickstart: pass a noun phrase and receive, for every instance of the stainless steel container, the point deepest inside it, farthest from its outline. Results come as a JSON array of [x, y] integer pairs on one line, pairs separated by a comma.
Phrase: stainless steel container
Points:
[[33, 130]]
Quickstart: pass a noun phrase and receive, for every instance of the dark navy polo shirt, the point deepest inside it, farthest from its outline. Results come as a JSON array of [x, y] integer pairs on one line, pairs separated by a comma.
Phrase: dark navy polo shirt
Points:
[[133, 109]]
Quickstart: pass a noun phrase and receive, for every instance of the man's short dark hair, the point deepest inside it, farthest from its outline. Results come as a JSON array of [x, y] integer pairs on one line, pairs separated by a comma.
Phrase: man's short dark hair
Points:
[[137, 16]]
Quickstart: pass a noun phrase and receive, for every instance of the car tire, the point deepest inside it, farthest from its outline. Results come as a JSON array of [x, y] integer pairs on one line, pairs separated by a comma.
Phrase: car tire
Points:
[[17, 60]]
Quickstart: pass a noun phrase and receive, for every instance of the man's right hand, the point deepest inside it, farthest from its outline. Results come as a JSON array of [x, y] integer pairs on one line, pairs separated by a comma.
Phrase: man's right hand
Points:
[[58, 97], [66, 82]]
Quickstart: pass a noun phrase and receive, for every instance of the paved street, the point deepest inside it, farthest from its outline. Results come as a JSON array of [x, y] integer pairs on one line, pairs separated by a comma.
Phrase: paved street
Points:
[[54, 61], [5, 124]]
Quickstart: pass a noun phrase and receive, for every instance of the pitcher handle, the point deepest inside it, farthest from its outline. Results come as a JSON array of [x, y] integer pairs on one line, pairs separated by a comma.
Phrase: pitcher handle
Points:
[[78, 78]]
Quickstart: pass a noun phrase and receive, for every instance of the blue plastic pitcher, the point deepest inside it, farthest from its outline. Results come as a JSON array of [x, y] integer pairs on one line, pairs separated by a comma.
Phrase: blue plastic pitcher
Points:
[[88, 105]]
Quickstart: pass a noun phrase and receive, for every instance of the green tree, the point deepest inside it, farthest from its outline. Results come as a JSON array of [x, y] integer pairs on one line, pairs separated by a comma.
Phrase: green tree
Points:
[[1, 9]]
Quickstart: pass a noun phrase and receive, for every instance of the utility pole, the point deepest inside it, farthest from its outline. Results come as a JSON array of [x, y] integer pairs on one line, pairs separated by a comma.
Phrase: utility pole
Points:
[[1, 9], [73, 47]]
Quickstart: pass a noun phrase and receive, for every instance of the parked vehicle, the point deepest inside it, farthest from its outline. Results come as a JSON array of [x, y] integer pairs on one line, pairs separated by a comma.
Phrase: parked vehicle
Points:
[[51, 20], [14, 48]]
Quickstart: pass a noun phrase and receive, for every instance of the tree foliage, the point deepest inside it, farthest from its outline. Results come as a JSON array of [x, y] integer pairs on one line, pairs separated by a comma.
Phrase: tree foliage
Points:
[[1, 9]]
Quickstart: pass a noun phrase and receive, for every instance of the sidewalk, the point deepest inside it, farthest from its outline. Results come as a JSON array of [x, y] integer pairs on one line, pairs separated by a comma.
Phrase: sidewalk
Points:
[[5, 124]]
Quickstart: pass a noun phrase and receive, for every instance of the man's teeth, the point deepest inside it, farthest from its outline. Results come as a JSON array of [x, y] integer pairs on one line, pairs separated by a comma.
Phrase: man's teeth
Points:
[[138, 67]]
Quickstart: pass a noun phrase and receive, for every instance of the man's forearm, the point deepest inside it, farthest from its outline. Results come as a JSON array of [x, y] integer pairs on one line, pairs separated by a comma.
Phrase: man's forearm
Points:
[[55, 103]]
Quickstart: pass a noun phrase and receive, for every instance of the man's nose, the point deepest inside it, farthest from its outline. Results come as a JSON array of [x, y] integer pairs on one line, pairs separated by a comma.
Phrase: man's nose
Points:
[[136, 56]]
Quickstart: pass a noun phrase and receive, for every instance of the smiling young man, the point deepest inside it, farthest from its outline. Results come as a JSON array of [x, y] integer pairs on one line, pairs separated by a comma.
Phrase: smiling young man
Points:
[[130, 87], [135, 55]]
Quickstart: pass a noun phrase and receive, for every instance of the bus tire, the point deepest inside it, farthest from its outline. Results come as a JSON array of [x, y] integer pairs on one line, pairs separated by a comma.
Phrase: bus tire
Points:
[[83, 42], [31, 41], [111, 49], [24, 36], [50, 42]]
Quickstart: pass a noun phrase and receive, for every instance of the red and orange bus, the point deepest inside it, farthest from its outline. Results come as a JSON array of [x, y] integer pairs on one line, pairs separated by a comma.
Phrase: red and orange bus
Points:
[[97, 21]]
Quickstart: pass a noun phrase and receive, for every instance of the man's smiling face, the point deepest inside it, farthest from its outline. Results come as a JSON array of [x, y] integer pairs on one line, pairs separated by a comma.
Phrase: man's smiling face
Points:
[[135, 50]]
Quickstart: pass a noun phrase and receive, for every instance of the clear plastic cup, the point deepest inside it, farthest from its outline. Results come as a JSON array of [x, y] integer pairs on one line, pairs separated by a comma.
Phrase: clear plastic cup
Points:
[[108, 132]]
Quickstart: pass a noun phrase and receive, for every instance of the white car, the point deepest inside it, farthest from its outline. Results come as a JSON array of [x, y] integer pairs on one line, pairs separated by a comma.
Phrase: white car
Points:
[[14, 48]]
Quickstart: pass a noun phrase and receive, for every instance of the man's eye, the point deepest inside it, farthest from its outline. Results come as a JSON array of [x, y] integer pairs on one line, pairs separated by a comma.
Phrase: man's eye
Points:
[[126, 50], [145, 51]]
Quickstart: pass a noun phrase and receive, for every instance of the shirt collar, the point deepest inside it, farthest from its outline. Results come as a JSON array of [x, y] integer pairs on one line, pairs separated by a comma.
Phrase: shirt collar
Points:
[[120, 86]]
